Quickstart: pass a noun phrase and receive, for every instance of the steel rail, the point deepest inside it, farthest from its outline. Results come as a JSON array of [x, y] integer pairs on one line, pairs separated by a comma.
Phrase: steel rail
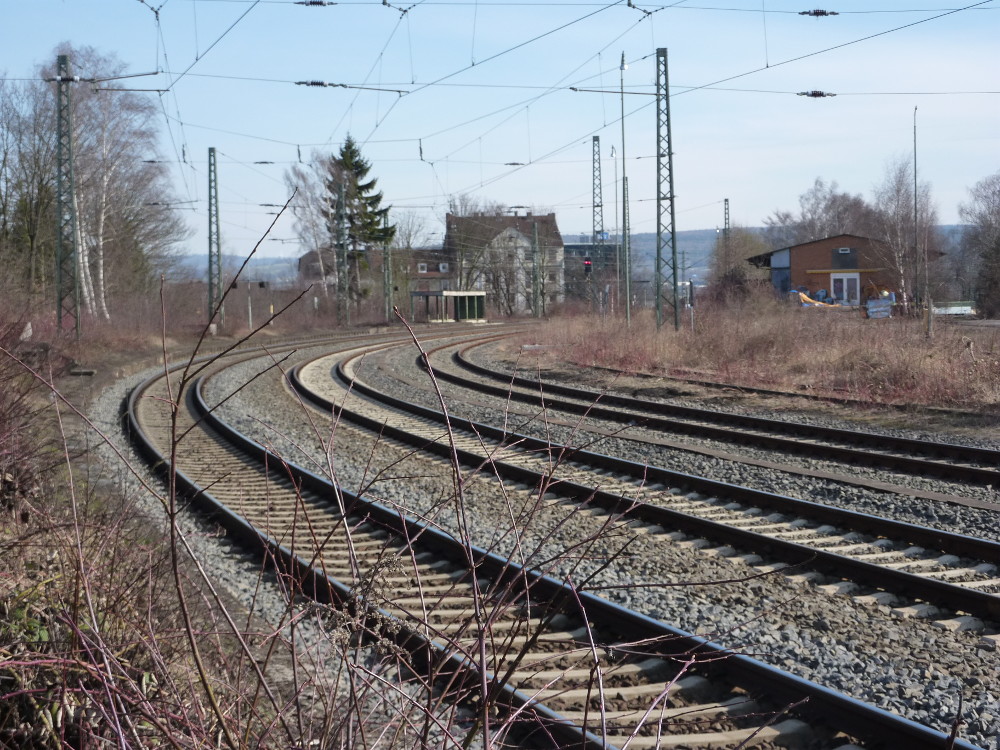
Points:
[[323, 588], [828, 398], [657, 415], [863, 720], [958, 598]]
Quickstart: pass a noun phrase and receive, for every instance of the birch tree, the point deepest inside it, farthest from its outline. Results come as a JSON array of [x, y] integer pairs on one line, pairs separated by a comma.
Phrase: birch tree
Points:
[[312, 216], [982, 242], [908, 246], [125, 229], [114, 138]]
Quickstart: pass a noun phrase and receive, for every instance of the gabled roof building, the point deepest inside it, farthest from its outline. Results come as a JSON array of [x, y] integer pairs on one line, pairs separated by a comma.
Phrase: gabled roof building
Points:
[[497, 254]]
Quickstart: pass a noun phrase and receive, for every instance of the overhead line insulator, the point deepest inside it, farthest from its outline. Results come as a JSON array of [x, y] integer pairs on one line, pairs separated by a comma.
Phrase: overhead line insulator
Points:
[[818, 13], [815, 94]]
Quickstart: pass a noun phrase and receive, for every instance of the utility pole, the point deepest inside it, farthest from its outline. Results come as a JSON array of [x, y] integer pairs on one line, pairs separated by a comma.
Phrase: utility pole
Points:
[[627, 253], [67, 257], [625, 243], [665, 192], [536, 276], [214, 244], [916, 238], [618, 241]]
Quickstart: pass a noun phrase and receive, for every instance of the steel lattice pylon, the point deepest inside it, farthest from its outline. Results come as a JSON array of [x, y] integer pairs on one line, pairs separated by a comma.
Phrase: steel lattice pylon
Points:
[[214, 244], [343, 259], [598, 197], [665, 238], [67, 276], [387, 284]]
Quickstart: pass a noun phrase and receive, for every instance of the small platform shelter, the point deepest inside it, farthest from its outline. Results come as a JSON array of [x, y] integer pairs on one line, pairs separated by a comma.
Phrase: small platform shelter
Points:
[[450, 306]]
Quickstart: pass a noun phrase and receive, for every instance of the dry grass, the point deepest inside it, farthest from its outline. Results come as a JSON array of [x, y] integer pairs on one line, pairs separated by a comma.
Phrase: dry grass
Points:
[[767, 344]]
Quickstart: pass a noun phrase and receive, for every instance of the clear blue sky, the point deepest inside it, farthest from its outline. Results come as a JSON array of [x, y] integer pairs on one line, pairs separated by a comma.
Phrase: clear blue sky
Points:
[[486, 84]]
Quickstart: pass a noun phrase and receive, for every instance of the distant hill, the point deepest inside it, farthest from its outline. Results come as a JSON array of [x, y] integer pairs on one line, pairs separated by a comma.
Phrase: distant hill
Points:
[[694, 252], [277, 270], [695, 248]]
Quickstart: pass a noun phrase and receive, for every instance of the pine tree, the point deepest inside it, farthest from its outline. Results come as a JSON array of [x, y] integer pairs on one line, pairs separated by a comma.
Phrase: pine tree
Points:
[[365, 218]]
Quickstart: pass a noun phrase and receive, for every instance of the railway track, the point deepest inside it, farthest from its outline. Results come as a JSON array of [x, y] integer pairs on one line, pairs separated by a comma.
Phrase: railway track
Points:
[[552, 662], [907, 456], [918, 570]]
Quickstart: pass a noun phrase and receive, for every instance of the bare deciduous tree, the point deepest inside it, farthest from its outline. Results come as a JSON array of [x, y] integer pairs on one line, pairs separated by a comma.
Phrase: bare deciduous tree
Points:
[[27, 185], [823, 212], [730, 274], [125, 230], [982, 241], [907, 248], [466, 247], [116, 180], [312, 218]]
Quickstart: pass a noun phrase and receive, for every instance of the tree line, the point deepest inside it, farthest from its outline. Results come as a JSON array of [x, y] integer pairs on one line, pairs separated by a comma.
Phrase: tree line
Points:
[[126, 225]]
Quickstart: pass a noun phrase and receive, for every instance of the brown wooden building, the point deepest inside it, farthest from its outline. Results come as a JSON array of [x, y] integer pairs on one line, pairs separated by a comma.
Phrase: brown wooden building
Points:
[[846, 268]]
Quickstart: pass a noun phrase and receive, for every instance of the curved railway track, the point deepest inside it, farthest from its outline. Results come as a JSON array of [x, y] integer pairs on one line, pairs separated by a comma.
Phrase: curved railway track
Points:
[[574, 670], [921, 458], [932, 572], [931, 567]]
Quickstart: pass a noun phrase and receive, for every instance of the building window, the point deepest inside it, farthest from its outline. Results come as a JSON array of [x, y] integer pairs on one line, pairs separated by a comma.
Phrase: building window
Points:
[[844, 257], [443, 267], [421, 268]]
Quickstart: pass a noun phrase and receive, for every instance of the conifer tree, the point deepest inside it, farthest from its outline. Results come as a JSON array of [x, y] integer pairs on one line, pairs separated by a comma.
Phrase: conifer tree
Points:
[[347, 181]]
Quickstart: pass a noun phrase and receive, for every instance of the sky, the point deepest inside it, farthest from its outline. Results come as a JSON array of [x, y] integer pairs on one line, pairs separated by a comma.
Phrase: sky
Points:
[[500, 100]]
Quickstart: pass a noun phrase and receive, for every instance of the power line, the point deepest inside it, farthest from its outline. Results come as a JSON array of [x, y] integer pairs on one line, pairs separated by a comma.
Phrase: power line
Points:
[[838, 46], [223, 35]]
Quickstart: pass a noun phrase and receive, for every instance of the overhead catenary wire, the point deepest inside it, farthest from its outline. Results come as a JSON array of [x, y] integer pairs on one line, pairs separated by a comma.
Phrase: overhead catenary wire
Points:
[[703, 86], [223, 35], [179, 122]]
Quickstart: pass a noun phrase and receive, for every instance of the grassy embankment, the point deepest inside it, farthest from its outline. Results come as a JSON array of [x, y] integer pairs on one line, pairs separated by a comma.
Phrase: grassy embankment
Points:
[[770, 345]]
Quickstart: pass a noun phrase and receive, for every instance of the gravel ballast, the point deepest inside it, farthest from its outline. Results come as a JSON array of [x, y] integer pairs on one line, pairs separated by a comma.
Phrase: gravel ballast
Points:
[[905, 665]]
